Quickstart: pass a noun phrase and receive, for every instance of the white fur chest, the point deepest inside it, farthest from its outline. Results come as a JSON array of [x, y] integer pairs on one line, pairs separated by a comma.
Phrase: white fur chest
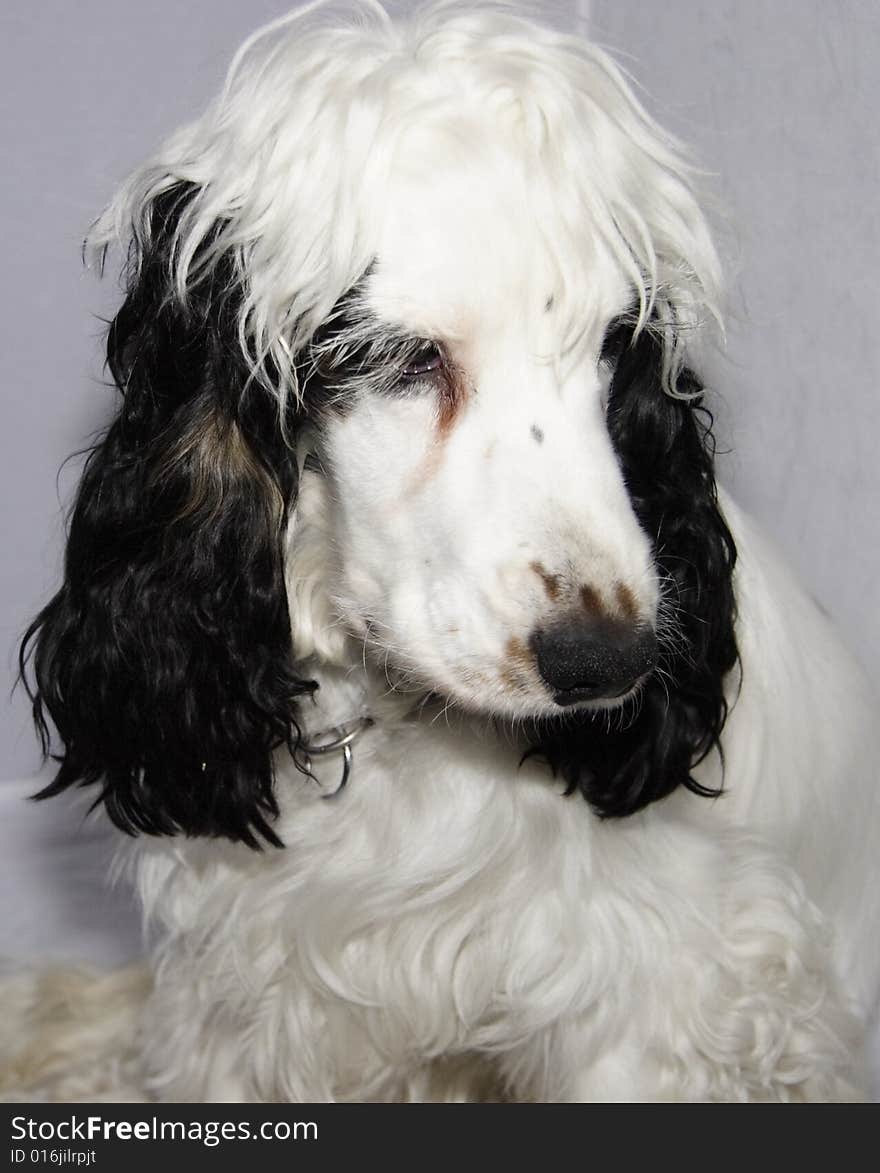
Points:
[[450, 904]]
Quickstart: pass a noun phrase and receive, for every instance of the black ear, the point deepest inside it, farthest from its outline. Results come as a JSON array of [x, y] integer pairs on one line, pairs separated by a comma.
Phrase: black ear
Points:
[[666, 450], [165, 660]]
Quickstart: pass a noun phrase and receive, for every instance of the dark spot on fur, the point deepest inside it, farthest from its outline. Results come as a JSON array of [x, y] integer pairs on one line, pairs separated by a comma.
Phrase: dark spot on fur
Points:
[[550, 581], [591, 600], [516, 671], [517, 651], [626, 601], [537, 434]]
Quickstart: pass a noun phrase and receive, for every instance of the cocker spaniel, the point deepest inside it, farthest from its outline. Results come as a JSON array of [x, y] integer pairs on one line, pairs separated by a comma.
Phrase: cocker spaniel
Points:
[[473, 745]]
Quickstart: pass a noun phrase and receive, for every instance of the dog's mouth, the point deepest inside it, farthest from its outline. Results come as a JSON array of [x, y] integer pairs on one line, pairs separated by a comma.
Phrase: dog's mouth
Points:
[[545, 677], [588, 697], [539, 707]]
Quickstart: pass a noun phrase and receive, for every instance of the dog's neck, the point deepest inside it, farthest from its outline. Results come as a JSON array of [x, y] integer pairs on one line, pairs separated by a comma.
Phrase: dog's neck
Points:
[[347, 695], [359, 699], [348, 706]]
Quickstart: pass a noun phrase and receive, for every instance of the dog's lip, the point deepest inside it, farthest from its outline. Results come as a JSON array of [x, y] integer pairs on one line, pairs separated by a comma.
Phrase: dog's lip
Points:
[[567, 697]]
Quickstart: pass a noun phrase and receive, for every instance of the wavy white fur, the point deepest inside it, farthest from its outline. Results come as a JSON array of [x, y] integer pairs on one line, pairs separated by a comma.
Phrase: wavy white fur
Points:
[[452, 905], [449, 926]]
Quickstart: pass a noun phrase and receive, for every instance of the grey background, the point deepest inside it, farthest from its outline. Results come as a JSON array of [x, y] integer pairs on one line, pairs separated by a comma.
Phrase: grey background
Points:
[[778, 99]]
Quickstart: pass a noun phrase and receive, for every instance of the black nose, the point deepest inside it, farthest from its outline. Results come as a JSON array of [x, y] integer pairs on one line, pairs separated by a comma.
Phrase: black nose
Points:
[[584, 660]]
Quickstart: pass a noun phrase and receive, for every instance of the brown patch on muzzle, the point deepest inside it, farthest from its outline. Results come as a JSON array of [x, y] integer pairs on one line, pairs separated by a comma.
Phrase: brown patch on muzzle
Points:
[[516, 671], [626, 601], [551, 581], [591, 601], [624, 605]]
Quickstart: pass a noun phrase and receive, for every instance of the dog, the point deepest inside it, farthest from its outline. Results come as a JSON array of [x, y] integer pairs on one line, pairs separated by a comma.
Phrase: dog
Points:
[[471, 743]]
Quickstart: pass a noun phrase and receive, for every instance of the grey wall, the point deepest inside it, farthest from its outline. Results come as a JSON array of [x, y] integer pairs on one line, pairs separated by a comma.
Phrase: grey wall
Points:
[[778, 98]]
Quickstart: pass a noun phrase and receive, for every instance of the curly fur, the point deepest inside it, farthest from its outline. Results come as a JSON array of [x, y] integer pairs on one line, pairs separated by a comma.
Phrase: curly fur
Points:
[[411, 436], [175, 573]]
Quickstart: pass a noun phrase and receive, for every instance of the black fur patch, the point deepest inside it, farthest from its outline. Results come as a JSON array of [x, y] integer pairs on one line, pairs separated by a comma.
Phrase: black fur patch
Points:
[[666, 450], [165, 661]]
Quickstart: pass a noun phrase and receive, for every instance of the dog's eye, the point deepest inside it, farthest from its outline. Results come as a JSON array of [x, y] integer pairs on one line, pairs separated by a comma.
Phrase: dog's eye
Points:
[[426, 359]]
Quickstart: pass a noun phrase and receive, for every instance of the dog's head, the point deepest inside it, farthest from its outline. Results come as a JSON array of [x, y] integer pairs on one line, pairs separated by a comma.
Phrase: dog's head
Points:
[[443, 278]]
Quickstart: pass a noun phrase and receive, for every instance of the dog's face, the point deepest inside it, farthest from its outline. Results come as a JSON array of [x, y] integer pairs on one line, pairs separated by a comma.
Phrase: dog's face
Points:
[[488, 550], [453, 267]]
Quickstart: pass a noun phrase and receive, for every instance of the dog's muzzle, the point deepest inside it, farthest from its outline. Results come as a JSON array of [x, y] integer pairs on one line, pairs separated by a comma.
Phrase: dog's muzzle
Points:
[[585, 660]]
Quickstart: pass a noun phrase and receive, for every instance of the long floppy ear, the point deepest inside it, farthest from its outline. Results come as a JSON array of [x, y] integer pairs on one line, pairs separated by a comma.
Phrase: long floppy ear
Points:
[[665, 445], [165, 660]]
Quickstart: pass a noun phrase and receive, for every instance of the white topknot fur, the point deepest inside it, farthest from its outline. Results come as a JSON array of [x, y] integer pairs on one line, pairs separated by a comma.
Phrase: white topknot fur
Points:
[[319, 107]]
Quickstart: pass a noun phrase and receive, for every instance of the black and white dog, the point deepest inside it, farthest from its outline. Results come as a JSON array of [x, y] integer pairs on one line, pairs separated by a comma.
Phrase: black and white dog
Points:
[[475, 747]]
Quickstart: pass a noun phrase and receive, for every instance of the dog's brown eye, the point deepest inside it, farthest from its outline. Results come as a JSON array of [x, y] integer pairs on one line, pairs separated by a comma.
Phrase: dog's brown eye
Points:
[[428, 358]]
